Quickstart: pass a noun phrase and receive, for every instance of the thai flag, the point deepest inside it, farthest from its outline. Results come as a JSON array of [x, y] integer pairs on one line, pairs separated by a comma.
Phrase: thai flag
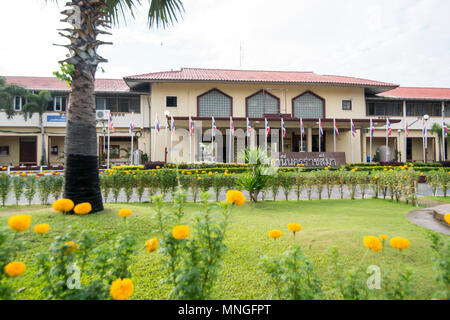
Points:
[[445, 128], [388, 127], [172, 125], [353, 128], [320, 128], [191, 126], [214, 127], [407, 129], [111, 123], [283, 128], [302, 128], [157, 126], [249, 128], [372, 129], [336, 130], [232, 126], [132, 123], [267, 128], [425, 128]]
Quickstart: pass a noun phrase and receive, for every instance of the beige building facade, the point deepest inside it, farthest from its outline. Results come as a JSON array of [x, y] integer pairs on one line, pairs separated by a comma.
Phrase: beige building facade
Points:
[[238, 96]]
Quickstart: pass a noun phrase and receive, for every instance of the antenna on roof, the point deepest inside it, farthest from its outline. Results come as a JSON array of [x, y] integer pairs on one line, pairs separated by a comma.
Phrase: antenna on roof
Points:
[[241, 55]]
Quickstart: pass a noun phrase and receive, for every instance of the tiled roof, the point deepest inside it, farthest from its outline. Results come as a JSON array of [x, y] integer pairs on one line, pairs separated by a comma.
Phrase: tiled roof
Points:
[[194, 74], [418, 93], [54, 84]]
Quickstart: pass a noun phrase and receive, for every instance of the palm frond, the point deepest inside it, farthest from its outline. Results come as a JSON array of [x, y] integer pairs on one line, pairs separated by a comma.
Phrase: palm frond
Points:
[[164, 12]]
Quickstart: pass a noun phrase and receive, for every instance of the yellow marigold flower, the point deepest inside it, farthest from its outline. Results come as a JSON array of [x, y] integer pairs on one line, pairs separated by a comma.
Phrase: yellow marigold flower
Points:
[[124, 213], [198, 178], [372, 243], [383, 237], [15, 268], [210, 173], [121, 289], [235, 197], [400, 243], [23, 174], [151, 244], [180, 232], [71, 247], [275, 234], [203, 171], [20, 222], [157, 167], [42, 228], [294, 227], [63, 205], [82, 208], [447, 218]]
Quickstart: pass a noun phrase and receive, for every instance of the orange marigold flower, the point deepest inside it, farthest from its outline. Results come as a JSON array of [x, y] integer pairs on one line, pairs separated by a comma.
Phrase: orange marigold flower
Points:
[[180, 232], [294, 227], [235, 197], [373, 243], [15, 268], [400, 243], [82, 208], [383, 236], [121, 289], [447, 218], [42, 228], [275, 234], [125, 213], [151, 245], [20, 222], [71, 247], [63, 205]]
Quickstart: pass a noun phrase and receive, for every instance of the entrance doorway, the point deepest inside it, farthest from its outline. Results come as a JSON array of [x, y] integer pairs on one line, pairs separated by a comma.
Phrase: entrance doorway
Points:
[[28, 150]]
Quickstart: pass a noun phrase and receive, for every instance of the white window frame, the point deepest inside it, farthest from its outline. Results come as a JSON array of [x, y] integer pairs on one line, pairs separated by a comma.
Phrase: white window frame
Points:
[[104, 103], [15, 105], [56, 98]]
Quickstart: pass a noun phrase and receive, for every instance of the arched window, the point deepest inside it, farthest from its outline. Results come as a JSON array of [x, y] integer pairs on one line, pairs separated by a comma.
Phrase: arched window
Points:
[[308, 105], [214, 103], [262, 103]]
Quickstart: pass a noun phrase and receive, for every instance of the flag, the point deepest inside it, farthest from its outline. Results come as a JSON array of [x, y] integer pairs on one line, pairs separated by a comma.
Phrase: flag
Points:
[[302, 128], [267, 128], [131, 123], [372, 129], [249, 128], [214, 128], [445, 128], [232, 126], [425, 129], [388, 127], [157, 127], [172, 125], [353, 128], [320, 128], [336, 130], [407, 129], [191, 126], [111, 123], [283, 128]]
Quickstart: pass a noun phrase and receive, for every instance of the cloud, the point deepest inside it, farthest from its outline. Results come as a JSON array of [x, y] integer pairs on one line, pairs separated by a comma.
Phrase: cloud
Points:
[[402, 41]]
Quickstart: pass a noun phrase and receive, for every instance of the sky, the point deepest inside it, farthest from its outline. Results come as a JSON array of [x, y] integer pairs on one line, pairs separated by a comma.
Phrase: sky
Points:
[[405, 42]]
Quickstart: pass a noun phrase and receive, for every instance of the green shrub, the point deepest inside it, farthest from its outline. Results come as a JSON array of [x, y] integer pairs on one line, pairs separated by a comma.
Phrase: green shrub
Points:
[[5, 187], [18, 188]]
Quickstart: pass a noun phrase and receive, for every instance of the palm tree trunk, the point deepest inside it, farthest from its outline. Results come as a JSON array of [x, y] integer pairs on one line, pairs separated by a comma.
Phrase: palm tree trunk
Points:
[[44, 151], [81, 183]]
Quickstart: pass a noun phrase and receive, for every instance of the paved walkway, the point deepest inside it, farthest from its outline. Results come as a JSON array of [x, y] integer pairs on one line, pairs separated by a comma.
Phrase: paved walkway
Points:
[[425, 218]]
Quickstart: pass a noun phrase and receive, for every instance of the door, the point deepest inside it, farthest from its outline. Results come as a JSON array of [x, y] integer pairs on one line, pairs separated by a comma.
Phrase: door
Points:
[[28, 150]]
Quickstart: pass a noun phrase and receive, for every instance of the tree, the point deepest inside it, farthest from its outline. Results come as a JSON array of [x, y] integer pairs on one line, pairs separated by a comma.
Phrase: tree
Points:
[[437, 130], [88, 19], [7, 94], [38, 103]]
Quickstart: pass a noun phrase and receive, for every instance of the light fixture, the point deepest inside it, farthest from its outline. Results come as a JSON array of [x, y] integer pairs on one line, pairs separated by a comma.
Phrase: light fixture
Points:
[[167, 113], [426, 117]]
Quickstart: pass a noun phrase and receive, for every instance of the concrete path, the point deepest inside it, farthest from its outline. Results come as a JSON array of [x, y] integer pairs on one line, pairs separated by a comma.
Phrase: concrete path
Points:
[[426, 218]]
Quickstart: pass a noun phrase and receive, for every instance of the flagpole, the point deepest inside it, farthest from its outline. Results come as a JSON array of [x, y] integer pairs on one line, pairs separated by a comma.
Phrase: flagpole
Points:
[[443, 140], [320, 136], [266, 132], [334, 130], [231, 139], [131, 160], [406, 141], [212, 137], [282, 136], [371, 130], [301, 135], [387, 141]]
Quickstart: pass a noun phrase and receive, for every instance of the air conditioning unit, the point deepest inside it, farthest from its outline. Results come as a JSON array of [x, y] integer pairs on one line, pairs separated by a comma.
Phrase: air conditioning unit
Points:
[[102, 115]]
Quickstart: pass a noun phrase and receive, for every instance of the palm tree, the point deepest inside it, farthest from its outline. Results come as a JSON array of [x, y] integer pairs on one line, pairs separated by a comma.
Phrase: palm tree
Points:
[[437, 130], [7, 93], [38, 103], [88, 19]]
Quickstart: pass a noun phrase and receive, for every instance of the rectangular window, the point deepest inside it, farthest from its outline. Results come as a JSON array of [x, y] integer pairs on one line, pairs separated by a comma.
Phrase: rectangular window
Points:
[[135, 104], [171, 101], [18, 103], [57, 103], [419, 109], [126, 104], [346, 104], [100, 104], [4, 151], [115, 151]]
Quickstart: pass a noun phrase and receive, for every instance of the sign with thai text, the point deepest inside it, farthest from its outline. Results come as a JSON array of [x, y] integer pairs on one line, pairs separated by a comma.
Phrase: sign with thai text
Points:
[[308, 159], [57, 118]]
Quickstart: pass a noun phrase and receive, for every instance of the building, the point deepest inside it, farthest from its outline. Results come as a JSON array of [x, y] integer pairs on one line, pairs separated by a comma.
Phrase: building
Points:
[[240, 94]]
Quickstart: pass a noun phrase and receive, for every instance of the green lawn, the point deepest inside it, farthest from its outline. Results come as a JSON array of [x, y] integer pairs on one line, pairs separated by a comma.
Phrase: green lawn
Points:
[[438, 199], [326, 223]]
